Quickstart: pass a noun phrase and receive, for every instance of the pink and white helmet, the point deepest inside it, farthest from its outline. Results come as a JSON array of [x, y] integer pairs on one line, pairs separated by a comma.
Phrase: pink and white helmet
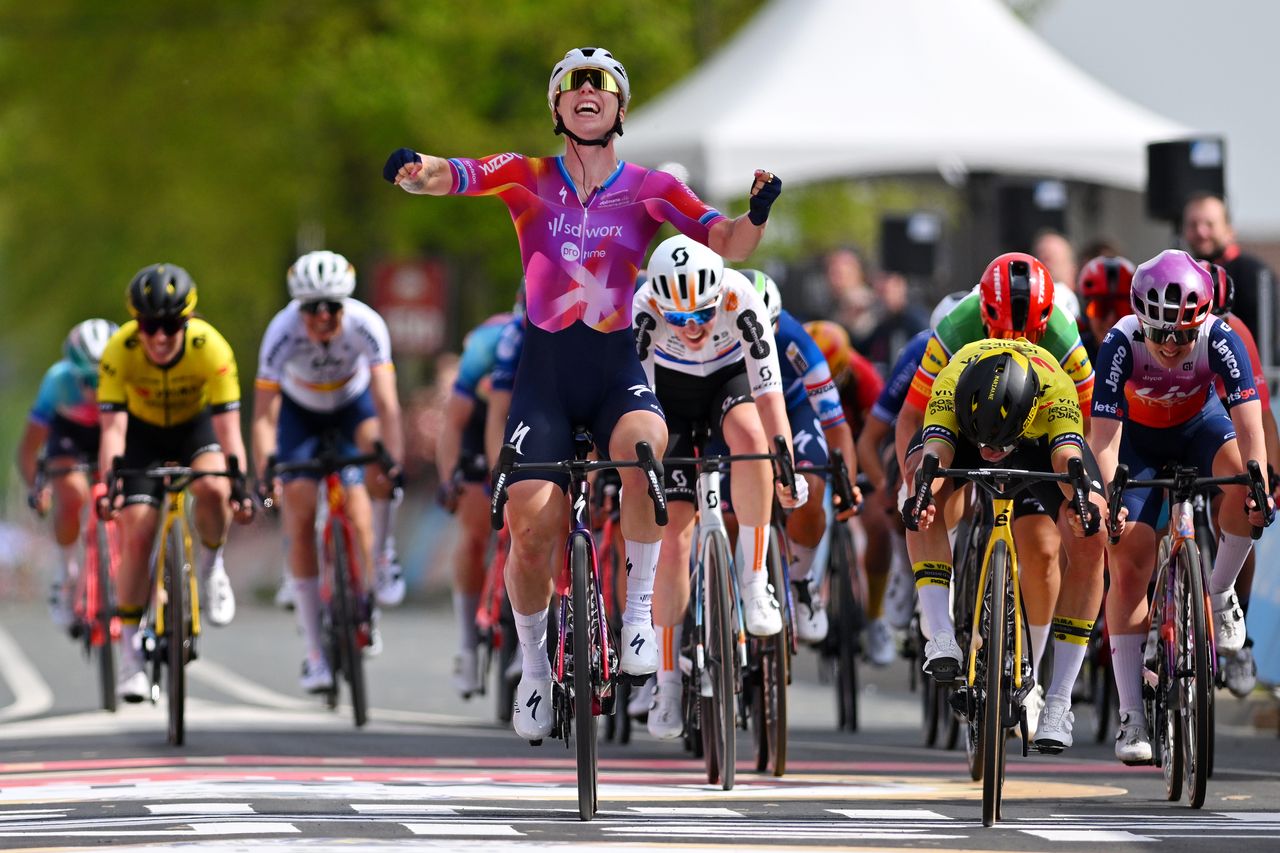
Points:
[[1171, 291]]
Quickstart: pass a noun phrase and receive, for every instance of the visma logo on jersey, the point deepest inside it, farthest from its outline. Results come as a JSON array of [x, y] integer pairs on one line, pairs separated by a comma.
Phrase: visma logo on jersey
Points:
[[562, 225]]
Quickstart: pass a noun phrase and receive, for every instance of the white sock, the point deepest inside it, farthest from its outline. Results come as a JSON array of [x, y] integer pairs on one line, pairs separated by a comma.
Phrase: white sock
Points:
[[801, 561], [1067, 659], [532, 631], [935, 609], [210, 559], [1126, 662], [753, 552], [384, 515], [642, 566], [306, 604], [1233, 550], [669, 653], [129, 651], [70, 562], [464, 611], [1039, 642]]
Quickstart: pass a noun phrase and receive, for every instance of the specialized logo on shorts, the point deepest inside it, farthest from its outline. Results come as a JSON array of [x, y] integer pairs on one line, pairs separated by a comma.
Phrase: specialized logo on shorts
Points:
[[517, 436], [801, 440]]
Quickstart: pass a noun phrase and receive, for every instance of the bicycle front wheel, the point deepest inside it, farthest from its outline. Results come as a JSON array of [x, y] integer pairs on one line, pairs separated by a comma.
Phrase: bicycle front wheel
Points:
[[774, 660], [846, 621], [993, 649], [1195, 681], [346, 623], [177, 573], [719, 711], [99, 558], [585, 626]]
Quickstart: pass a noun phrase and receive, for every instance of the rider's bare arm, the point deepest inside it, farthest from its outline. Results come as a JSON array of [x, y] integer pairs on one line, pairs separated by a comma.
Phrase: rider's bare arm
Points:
[[386, 402], [457, 411], [266, 414]]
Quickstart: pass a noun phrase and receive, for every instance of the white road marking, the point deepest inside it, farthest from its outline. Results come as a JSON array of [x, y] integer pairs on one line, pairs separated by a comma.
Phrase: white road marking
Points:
[[196, 829], [679, 811], [31, 692], [461, 829], [402, 808], [1251, 817], [200, 808], [1090, 836], [889, 814]]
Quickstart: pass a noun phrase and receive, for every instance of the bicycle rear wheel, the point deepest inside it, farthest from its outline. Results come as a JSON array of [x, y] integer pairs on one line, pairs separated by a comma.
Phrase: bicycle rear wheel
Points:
[[346, 624], [719, 711], [177, 569], [98, 559], [585, 627], [1195, 676], [769, 704], [993, 649], [846, 621]]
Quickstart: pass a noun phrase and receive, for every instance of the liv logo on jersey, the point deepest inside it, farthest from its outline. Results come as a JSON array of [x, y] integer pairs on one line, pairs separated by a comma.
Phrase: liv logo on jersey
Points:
[[517, 436]]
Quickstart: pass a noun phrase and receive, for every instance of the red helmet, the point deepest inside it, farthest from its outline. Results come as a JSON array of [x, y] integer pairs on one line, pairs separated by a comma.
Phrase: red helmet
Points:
[[1017, 297], [1224, 289], [1106, 277]]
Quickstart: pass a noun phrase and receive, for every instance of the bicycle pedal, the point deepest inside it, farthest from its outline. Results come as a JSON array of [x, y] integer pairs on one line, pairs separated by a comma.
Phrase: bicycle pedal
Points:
[[633, 680], [1049, 748], [537, 742], [962, 701]]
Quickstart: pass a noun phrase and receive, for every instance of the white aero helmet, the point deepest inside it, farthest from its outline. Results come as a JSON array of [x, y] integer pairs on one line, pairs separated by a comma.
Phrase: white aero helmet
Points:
[[589, 57], [946, 306], [319, 276], [685, 275], [85, 343], [768, 290]]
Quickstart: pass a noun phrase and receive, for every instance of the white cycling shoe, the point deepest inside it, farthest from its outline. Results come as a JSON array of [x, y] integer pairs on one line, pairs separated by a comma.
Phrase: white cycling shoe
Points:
[[1034, 704], [1228, 621], [466, 673], [1240, 672], [532, 712], [1053, 730], [942, 657], [285, 598], [760, 611], [1133, 744], [219, 598], [388, 582], [811, 613], [666, 715], [316, 677], [881, 649], [642, 699], [639, 650], [132, 684]]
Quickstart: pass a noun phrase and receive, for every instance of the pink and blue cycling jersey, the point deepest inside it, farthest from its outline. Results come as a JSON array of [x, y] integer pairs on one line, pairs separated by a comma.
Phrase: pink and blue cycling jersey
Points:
[[580, 259]]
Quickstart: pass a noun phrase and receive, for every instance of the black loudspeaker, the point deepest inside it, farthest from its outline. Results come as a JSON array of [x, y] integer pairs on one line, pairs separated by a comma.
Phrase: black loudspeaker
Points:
[[909, 243], [1024, 210], [1177, 170]]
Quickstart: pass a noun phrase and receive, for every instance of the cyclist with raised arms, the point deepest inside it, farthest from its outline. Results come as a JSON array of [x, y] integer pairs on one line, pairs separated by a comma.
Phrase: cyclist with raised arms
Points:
[[63, 429], [168, 391], [817, 422], [584, 220], [1156, 405], [1014, 407], [464, 472], [325, 366], [708, 352], [1015, 298]]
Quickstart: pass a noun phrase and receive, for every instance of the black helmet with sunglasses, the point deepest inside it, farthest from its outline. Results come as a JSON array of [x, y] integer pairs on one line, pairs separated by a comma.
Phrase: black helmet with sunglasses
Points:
[[995, 398], [162, 292]]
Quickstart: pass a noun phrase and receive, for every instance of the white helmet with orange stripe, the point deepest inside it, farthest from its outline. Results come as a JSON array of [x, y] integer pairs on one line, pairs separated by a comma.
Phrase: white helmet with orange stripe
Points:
[[685, 275]]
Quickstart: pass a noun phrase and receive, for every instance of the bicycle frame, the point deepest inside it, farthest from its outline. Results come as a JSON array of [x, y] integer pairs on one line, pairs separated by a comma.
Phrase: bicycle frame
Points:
[[580, 528], [336, 501], [711, 523], [174, 514], [1001, 508]]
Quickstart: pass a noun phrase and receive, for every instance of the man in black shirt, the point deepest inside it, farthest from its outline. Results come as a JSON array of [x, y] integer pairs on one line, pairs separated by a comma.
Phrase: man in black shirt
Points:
[[1207, 233]]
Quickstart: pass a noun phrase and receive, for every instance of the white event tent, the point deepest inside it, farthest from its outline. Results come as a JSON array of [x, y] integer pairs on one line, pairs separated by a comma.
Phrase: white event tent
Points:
[[824, 89]]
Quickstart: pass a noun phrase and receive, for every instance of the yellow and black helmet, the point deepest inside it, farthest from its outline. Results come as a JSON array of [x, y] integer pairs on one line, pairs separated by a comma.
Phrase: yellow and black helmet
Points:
[[162, 291], [996, 397]]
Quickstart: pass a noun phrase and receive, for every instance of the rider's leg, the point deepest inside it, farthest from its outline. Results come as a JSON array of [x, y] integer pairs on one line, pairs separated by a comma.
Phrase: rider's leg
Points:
[[751, 484], [805, 526], [1234, 545], [1040, 575], [468, 580], [1079, 600], [536, 516], [930, 553], [670, 603], [640, 531], [137, 525], [299, 512], [1130, 567], [388, 585], [70, 494], [212, 518]]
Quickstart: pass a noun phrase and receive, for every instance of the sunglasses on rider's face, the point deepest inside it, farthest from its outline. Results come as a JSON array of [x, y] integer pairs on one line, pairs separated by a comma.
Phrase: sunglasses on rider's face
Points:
[[313, 308], [681, 319], [1181, 337], [1103, 307], [169, 325], [600, 80]]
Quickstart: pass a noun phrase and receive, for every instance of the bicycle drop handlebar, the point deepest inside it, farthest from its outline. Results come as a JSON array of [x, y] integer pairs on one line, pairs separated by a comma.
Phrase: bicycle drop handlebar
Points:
[[1183, 485], [175, 478], [784, 467], [507, 465], [325, 463]]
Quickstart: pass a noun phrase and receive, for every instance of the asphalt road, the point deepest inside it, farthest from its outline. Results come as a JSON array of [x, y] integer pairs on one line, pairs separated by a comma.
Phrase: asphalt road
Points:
[[266, 767]]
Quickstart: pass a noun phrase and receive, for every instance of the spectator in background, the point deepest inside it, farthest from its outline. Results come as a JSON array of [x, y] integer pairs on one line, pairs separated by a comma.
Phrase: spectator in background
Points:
[[898, 321], [1055, 252], [1099, 247], [1208, 235], [852, 302]]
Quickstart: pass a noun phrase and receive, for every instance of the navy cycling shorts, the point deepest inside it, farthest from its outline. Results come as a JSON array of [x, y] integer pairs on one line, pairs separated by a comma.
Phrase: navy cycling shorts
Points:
[[299, 430], [1147, 450], [575, 377]]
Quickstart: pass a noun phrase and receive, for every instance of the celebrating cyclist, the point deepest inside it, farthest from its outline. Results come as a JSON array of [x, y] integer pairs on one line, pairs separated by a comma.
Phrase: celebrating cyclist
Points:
[[703, 336], [584, 220], [463, 470], [168, 391], [1154, 406], [325, 367], [62, 428], [1015, 299], [817, 422], [1015, 407]]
